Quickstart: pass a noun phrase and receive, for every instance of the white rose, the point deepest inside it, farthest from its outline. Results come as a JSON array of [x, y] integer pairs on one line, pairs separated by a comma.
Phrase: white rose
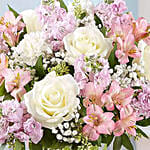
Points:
[[146, 61], [53, 100], [31, 20], [86, 40], [30, 48]]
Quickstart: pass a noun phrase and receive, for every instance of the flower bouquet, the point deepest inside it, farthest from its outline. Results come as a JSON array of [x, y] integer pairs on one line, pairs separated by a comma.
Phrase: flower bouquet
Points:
[[73, 78]]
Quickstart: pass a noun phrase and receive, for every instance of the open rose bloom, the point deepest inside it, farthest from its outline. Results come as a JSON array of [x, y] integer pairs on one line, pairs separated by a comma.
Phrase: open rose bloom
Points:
[[74, 77]]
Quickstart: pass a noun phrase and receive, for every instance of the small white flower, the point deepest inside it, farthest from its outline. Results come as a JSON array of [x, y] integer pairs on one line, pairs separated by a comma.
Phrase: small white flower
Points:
[[30, 48], [59, 137]]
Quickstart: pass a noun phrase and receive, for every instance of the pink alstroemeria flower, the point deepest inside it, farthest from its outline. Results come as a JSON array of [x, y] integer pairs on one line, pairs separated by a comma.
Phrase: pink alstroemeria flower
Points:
[[127, 122], [15, 82], [11, 27], [92, 93], [126, 48], [3, 65], [140, 28], [121, 26], [97, 122], [117, 96]]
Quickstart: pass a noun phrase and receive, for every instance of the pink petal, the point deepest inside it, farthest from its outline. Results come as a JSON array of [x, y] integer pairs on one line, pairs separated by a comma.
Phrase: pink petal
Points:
[[90, 133], [131, 131]]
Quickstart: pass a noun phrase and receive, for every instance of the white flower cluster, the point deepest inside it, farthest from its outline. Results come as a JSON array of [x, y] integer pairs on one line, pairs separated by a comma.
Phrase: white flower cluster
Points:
[[67, 131], [129, 75], [30, 48]]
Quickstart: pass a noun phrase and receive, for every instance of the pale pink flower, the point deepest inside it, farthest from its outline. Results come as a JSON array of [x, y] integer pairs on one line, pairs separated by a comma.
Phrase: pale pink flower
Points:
[[12, 111], [140, 28], [11, 27], [3, 65], [33, 129], [3, 130], [117, 96], [97, 122], [93, 93], [121, 26], [126, 48], [22, 136], [15, 82], [126, 123]]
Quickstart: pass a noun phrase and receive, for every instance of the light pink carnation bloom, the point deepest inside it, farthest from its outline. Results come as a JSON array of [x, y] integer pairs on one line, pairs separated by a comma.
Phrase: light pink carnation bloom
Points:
[[117, 96], [97, 122], [126, 48], [34, 130], [15, 82], [11, 27], [127, 122]]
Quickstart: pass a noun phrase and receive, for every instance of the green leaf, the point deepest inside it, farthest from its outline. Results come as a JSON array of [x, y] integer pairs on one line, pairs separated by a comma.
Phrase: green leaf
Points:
[[13, 11], [63, 5], [39, 67], [107, 139], [113, 61], [49, 141], [2, 89], [105, 147], [8, 97], [98, 21], [93, 148], [126, 142], [104, 31], [35, 146], [98, 142], [117, 143], [144, 123], [18, 145], [138, 130]]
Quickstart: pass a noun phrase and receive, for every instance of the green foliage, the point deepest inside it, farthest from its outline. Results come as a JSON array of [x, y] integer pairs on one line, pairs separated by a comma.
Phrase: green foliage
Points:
[[18, 145], [122, 140], [113, 61], [49, 141], [107, 139], [140, 132], [117, 143], [109, 1], [63, 5], [98, 21], [98, 142], [2, 89], [60, 69], [78, 11], [126, 142], [39, 67], [7, 97], [144, 123], [13, 11]]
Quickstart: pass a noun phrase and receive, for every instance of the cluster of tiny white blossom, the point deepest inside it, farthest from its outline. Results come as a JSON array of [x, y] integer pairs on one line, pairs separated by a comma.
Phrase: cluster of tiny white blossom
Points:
[[68, 131], [129, 75]]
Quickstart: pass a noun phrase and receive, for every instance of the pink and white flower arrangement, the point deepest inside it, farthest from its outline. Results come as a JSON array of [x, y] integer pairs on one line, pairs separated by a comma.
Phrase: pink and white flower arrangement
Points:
[[73, 78]]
